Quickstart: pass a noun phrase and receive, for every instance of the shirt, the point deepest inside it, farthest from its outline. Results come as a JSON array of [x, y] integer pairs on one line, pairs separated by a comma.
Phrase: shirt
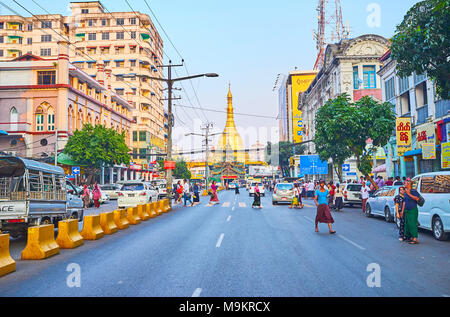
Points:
[[186, 188], [364, 192], [311, 186], [399, 200], [322, 196], [409, 202]]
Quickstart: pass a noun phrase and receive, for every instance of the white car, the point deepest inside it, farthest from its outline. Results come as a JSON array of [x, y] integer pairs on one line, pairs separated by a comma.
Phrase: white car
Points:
[[111, 190], [252, 189], [135, 193]]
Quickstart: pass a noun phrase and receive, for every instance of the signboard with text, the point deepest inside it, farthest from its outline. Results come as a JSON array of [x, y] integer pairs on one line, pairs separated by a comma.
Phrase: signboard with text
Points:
[[428, 151], [445, 152], [300, 83], [403, 128], [425, 135], [312, 165]]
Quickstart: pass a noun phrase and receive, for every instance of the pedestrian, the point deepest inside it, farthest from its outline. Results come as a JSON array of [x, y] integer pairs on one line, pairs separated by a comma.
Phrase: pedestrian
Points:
[[214, 198], [411, 213], [236, 189], [398, 182], [331, 189], [85, 196], [323, 211], [294, 200], [310, 192], [178, 193], [390, 181], [257, 198], [380, 182], [399, 201], [338, 202], [186, 193], [196, 198], [96, 195], [364, 196], [361, 179]]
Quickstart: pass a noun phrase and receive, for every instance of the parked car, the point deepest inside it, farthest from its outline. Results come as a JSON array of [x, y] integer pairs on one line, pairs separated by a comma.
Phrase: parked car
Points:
[[381, 203], [75, 206], [252, 189], [112, 190], [352, 194], [283, 192], [434, 215], [135, 193], [232, 186], [162, 190]]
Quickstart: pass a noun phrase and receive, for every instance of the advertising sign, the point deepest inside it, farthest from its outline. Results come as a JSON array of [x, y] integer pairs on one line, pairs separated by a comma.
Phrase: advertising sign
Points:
[[425, 135], [312, 165], [445, 152], [300, 83], [403, 128], [169, 165], [428, 151]]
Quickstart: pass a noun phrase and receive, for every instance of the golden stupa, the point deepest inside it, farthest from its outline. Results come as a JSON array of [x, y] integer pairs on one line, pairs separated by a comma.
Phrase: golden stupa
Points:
[[230, 147]]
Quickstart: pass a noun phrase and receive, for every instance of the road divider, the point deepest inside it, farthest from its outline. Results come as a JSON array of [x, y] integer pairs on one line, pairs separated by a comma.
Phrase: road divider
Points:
[[142, 214], [107, 223], [41, 243], [158, 206], [120, 219], [7, 263], [155, 208], [166, 205], [91, 228], [132, 216], [149, 209], [68, 235]]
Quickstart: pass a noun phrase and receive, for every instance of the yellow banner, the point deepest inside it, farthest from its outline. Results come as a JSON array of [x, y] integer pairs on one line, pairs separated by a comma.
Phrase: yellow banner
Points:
[[300, 83], [445, 150], [428, 151], [404, 137]]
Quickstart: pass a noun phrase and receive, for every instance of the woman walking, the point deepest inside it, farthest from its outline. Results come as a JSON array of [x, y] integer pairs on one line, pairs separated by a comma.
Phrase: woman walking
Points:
[[257, 198], [178, 193], [399, 201], [323, 211], [411, 213], [86, 197], [96, 195], [196, 200], [236, 189], [214, 199], [338, 203]]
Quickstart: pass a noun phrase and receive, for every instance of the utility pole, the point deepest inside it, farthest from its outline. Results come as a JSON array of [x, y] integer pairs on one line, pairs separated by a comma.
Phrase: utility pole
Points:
[[56, 147], [170, 81]]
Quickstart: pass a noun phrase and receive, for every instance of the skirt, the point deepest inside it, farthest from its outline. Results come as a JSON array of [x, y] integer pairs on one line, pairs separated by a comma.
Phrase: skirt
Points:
[[214, 197], [338, 204], [411, 216], [323, 214], [256, 201], [196, 198]]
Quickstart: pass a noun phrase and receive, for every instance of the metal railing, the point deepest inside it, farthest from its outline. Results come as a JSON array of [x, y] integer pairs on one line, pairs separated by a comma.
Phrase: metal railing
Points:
[[422, 114], [442, 108]]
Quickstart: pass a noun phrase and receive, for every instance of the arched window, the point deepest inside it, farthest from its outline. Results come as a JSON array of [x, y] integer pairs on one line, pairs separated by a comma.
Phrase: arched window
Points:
[[50, 119], [70, 118], [39, 119], [13, 119], [80, 120], [97, 120], [89, 118]]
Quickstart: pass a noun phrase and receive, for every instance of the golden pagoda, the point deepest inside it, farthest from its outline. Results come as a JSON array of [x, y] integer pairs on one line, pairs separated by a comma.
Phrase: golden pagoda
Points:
[[230, 147]]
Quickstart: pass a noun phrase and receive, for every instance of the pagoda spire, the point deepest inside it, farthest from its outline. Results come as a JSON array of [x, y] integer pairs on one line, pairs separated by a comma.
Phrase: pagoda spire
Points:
[[230, 111]]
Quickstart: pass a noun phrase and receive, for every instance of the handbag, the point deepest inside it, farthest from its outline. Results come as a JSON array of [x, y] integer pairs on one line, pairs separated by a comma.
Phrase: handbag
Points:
[[421, 201]]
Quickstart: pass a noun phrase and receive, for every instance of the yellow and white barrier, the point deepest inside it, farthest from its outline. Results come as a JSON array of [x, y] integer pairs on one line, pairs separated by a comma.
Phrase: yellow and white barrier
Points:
[[91, 228], [150, 210], [107, 223], [161, 206], [166, 205], [142, 212], [132, 216], [120, 219], [41, 243], [7, 264], [155, 208], [68, 235]]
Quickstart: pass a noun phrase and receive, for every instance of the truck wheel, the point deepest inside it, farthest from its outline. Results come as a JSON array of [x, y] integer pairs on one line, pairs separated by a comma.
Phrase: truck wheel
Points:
[[46, 221]]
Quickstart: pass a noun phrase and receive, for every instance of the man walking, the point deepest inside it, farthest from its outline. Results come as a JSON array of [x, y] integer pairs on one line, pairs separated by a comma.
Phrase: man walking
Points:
[[186, 193], [364, 196]]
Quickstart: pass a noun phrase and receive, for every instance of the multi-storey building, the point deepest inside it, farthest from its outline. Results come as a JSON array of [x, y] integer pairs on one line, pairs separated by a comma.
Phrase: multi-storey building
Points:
[[414, 97], [126, 42]]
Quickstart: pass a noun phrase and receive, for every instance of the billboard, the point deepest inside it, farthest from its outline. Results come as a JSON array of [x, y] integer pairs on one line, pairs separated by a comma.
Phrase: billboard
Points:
[[300, 83], [312, 165], [403, 127]]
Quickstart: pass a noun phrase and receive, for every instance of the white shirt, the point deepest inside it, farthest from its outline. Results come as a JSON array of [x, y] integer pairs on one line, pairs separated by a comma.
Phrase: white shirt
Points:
[[311, 186], [186, 188], [364, 192]]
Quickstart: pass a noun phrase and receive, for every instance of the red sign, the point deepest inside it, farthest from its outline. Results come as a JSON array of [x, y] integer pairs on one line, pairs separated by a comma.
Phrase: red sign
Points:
[[169, 165]]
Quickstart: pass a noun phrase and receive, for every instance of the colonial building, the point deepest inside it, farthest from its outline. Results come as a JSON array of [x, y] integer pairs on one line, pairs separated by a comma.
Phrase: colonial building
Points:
[[126, 42], [414, 97]]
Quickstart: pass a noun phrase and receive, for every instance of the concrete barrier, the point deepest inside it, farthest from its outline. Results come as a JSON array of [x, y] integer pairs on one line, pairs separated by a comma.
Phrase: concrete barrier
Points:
[[107, 223], [205, 193], [68, 235], [159, 207], [132, 216], [142, 213], [91, 228], [149, 209], [166, 205], [162, 207], [120, 219], [155, 208], [41, 243], [7, 264]]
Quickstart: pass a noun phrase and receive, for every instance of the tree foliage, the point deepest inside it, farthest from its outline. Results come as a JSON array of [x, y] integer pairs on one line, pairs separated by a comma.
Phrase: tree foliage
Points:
[[285, 152], [422, 43], [181, 170], [343, 128]]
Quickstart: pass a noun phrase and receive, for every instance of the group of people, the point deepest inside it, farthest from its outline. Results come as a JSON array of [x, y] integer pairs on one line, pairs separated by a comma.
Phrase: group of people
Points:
[[183, 191], [86, 196]]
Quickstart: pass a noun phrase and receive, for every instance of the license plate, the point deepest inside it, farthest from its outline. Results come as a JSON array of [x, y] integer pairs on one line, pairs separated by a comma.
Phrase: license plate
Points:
[[130, 195]]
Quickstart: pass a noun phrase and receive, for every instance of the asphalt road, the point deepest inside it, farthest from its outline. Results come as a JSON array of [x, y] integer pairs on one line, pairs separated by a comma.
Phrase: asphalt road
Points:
[[233, 250]]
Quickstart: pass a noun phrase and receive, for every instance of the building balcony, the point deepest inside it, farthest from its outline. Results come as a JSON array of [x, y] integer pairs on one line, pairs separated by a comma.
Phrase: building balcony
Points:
[[422, 114], [442, 108]]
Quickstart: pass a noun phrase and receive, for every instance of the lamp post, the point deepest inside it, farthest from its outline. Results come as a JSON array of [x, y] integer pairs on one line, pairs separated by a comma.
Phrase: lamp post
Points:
[[170, 81]]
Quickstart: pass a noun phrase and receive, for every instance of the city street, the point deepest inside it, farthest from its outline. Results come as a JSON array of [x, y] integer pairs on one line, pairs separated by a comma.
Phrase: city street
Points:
[[231, 249]]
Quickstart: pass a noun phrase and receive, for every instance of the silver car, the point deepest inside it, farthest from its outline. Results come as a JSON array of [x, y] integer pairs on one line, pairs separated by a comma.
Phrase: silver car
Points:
[[283, 193], [381, 203]]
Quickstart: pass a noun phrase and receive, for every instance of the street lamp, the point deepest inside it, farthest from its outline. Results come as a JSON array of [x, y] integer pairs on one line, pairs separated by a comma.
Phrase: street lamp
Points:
[[170, 81]]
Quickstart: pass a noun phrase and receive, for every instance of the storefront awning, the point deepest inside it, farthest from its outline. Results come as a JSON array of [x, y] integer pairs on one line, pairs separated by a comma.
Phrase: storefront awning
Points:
[[413, 152]]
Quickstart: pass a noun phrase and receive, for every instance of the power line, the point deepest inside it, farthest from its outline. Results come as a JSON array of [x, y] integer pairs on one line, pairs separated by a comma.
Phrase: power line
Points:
[[236, 113]]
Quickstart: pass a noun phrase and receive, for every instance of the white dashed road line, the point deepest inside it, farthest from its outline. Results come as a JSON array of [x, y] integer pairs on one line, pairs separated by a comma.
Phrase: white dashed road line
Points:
[[242, 204], [197, 292], [309, 219], [219, 242], [229, 218], [226, 204], [351, 242]]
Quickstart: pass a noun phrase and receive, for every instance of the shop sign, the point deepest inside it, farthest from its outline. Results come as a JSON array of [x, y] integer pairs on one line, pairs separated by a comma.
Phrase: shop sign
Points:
[[403, 128], [428, 151], [426, 134], [445, 152]]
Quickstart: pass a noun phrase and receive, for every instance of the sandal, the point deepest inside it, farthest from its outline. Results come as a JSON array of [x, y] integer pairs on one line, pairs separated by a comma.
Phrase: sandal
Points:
[[414, 242], [332, 232]]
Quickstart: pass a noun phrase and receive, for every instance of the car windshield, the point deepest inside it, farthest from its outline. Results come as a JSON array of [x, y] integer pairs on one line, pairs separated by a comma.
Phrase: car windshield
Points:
[[285, 186], [131, 187], [354, 187]]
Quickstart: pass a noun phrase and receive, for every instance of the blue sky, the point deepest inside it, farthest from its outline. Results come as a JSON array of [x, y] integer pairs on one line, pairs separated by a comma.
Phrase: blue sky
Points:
[[246, 42]]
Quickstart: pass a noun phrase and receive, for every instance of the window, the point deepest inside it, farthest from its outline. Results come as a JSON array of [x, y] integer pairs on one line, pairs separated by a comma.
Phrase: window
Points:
[[355, 77], [120, 21], [1, 25], [104, 22], [369, 77], [46, 38], [2, 39], [46, 52], [133, 21], [437, 184], [133, 34], [50, 120], [119, 63], [13, 119], [84, 11], [142, 136], [1, 52], [119, 36], [105, 36], [91, 22], [29, 40], [142, 153], [119, 91], [132, 63], [403, 84], [30, 27], [389, 87], [46, 24], [46, 78], [39, 119], [135, 138], [92, 36]]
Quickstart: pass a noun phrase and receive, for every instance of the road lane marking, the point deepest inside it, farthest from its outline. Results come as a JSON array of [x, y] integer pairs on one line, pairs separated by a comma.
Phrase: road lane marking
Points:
[[233, 208], [242, 204], [226, 204], [308, 205], [228, 219], [351, 242], [219, 242], [309, 219], [197, 292]]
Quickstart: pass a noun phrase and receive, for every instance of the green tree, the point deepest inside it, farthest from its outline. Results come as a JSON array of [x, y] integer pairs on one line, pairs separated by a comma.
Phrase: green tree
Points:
[[96, 147], [343, 128], [422, 43], [285, 153], [181, 170]]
